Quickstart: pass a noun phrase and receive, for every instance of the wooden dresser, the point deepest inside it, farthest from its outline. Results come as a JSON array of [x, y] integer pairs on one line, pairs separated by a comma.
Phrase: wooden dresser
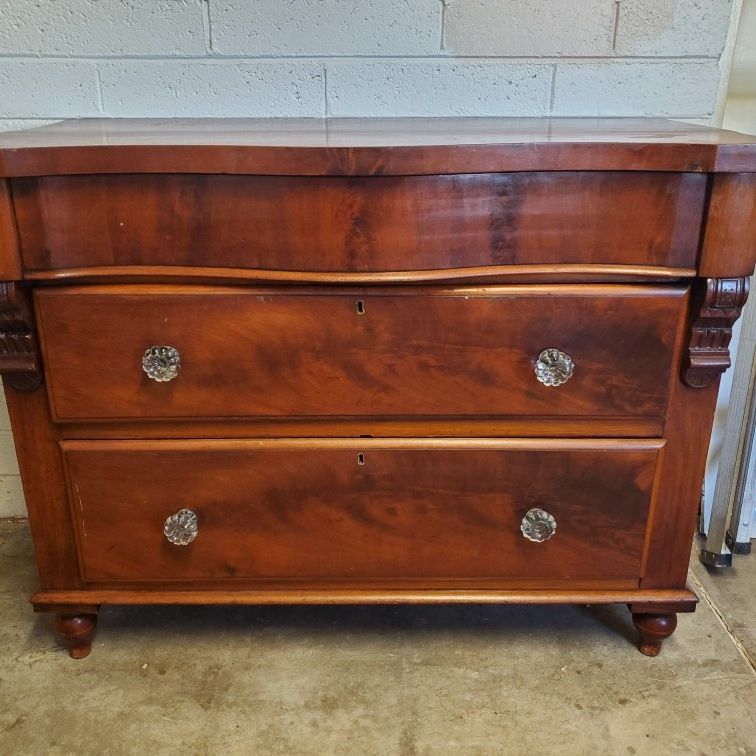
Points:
[[360, 361]]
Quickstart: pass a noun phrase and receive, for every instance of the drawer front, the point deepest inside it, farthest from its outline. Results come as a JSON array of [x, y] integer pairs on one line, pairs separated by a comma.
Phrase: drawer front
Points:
[[345, 509], [415, 353], [360, 224]]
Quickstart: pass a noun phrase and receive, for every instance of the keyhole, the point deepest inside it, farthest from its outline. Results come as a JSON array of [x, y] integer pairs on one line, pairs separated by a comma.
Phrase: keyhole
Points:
[[360, 459], [360, 307]]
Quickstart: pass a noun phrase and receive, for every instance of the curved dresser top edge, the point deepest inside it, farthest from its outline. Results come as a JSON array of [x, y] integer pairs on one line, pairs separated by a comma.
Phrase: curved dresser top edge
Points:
[[371, 147]]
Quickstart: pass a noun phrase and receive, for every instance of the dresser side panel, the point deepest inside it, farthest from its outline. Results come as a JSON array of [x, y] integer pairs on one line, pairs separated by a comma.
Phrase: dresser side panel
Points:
[[729, 243], [43, 477], [10, 254], [677, 498]]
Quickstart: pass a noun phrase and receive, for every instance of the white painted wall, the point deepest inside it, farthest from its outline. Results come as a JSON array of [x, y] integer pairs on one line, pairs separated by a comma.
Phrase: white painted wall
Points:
[[739, 115], [74, 58], [83, 58], [740, 112]]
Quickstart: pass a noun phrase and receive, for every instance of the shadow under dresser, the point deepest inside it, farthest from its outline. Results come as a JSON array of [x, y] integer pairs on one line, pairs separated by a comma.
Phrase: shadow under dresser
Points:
[[368, 361]]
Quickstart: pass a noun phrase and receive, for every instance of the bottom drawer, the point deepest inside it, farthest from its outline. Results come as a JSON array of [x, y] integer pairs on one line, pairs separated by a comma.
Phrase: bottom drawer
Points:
[[360, 509]]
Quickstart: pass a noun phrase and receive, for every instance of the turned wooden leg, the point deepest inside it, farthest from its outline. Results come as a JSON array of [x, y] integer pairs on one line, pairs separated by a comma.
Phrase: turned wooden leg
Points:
[[653, 629], [77, 632]]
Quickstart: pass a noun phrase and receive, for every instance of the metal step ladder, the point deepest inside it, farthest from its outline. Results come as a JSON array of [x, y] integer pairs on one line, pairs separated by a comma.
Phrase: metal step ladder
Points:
[[733, 515]]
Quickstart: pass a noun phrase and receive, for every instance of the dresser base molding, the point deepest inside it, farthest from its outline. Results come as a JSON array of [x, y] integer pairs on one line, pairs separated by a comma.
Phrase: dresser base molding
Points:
[[654, 612], [639, 600]]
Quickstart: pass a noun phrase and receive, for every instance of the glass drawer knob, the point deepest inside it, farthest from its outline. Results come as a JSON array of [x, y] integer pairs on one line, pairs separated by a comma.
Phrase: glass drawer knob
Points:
[[161, 363], [538, 525], [181, 528], [553, 367]]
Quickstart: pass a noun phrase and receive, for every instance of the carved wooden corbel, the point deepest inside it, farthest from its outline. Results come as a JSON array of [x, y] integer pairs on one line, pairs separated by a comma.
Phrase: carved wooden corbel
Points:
[[717, 304], [19, 353]]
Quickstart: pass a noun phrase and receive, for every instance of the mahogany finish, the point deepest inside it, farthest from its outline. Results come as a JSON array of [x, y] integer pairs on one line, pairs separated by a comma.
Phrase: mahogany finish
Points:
[[76, 631], [716, 309], [359, 224], [371, 146], [674, 511], [359, 307], [653, 629], [380, 353], [322, 592], [10, 259], [488, 274], [361, 509], [730, 238], [37, 442], [523, 426], [19, 358]]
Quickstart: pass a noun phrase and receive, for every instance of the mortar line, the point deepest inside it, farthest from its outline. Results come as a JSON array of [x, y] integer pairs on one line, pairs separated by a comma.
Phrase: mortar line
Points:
[[704, 594], [100, 97], [220, 58], [442, 22], [208, 24], [327, 108], [615, 32], [552, 95]]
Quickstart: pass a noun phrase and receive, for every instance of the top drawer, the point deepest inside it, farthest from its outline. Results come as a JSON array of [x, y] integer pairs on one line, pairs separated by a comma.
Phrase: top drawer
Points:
[[365, 353], [360, 225]]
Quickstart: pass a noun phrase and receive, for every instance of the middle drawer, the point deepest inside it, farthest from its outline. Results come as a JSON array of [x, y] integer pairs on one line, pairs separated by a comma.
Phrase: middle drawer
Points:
[[414, 352]]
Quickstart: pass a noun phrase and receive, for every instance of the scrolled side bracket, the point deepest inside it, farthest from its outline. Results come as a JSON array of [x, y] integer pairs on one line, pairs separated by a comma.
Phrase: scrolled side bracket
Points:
[[717, 304], [19, 350]]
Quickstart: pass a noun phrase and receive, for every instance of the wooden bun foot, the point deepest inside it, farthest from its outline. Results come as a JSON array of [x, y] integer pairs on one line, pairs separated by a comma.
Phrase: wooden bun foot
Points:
[[77, 632], [652, 630]]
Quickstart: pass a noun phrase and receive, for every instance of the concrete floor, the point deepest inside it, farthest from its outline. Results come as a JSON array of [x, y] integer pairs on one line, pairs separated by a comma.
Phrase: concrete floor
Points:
[[380, 680]]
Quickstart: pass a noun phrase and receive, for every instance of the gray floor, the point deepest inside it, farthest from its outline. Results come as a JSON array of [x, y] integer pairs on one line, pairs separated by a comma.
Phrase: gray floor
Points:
[[391, 680]]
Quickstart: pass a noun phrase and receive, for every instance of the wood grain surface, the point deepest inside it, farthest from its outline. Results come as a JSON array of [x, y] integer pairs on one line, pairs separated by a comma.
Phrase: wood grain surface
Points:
[[729, 244], [487, 274], [371, 146], [403, 353], [359, 306], [360, 224], [361, 509], [39, 459], [10, 254], [359, 427], [463, 592]]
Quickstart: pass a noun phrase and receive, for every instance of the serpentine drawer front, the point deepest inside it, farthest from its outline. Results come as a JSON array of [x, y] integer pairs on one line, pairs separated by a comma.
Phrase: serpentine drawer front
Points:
[[368, 361], [345, 509], [360, 224], [520, 350]]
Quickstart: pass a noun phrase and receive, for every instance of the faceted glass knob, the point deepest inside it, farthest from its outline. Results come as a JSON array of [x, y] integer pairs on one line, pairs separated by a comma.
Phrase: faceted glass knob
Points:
[[538, 525], [161, 363], [553, 367], [181, 528]]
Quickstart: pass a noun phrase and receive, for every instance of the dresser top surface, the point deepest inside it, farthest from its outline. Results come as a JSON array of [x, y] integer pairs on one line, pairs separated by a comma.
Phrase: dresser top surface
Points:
[[366, 132], [358, 146]]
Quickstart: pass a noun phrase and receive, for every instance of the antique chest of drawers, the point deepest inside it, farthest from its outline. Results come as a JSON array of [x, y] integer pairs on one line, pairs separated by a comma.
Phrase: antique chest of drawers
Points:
[[368, 361]]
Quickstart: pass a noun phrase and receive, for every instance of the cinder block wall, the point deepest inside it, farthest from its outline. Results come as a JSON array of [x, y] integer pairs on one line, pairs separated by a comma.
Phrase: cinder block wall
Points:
[[74, 58], [147, 58]]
